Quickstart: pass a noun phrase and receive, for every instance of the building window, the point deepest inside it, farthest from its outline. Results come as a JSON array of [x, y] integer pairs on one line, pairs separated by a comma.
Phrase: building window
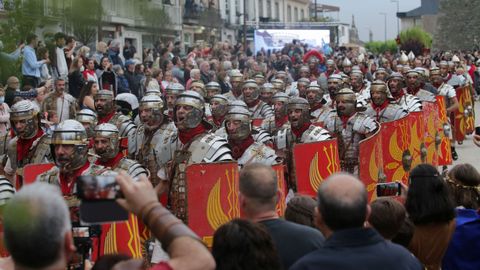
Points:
[[269, 8], [302, 15], [295, 14], [277, 11], [289, 13]]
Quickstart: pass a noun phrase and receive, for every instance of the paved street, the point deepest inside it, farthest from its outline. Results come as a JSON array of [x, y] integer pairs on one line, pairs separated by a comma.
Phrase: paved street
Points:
[[468, 152]]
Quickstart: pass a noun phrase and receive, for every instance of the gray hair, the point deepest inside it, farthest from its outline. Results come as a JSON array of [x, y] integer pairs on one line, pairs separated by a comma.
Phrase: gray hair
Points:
[[194, 72], [227, 65], [37, 215]]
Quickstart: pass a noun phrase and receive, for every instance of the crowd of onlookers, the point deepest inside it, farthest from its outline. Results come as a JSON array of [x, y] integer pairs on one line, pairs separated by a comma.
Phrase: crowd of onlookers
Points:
[[434, 224]]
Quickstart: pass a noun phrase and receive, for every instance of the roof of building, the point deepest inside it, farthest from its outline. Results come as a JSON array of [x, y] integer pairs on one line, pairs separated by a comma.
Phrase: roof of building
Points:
[[427, 7]]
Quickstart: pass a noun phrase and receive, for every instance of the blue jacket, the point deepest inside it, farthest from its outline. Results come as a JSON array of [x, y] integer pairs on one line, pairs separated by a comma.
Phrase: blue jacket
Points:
[[358, 249], [464, 249]]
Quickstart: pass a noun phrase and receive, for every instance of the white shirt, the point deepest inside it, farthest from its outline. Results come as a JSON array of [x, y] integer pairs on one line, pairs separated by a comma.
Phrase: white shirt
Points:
[[63, 108], [62, 67]]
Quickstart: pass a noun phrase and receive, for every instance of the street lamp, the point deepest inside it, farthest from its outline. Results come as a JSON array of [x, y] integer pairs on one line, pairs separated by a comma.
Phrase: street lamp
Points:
[[398, 10], [385, 15]]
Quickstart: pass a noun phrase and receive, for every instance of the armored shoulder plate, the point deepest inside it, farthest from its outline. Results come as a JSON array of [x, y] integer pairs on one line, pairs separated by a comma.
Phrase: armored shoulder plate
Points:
[[258, 153], [210, 148], [262, 110], [281, 139], [133, 168], [321, 114], [411, 103], [262, 136], [333, 122], [424, 95], [364, 124], [221, 132], [50, 176], [315, 134]]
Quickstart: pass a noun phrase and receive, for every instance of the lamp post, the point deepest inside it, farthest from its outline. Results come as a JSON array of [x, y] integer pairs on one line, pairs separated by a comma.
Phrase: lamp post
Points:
[[385, 16], [398, 10]]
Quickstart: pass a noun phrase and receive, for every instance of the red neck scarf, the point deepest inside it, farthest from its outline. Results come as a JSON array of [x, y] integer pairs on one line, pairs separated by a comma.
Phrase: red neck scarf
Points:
[[111, 163], [67, 181], [23, 145], [448, 77], [218, 121], [413, 91], [299, 131], [280, 121], [345, 120], [186, 136], [254, 103], [400, 93], [239, 147], [437, 85], [380, 108], [107, 118]]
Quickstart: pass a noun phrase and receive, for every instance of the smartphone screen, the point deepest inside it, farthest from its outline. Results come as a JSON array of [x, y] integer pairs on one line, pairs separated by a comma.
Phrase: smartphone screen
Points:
[[388, 189], [98, 195]]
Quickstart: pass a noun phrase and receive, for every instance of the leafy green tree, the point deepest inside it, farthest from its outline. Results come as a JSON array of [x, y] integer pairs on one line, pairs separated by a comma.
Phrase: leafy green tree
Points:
[[415, 39], [378, 47]]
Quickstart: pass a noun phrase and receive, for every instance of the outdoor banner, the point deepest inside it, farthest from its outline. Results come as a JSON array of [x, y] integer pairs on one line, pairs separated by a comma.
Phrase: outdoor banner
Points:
[[314, 162], [212, 197], [430, 116], [444, 130], [460, 123], [417, 146], [31, 171], [395, 140], [370, 168], [282, 186]]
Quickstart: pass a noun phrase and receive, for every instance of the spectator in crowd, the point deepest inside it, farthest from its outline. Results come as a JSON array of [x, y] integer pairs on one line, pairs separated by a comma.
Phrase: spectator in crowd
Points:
[[45, 70], [129, 50], [205, 72], [85, 99], [63, 103], [167, 79], [300, 209], [89, 73], [258, 199], [241, 244], [41, 94], [75, 77], [177, 70], [100, 53], [130, 76], [387, 216], [69, 50], [4, 114], [57, 54], [341, 213], [194, 76], [38, 215], [140, 79], [463, 181], [156, 80], [107, 76], [30, 65], [84, 53], [121, 80], [430, 207], [114, 53], [13, 85], [7, 191]]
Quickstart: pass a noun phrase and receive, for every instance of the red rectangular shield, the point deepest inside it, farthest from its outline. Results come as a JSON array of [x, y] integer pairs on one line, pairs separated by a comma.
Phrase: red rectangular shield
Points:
[[257, 122], [430, 115], [396, 137], [417, 125], [282, 186], [460, 123], [122, 238], [212, 197], [444, 150], [370, 169], [313, 163], [31, 171]]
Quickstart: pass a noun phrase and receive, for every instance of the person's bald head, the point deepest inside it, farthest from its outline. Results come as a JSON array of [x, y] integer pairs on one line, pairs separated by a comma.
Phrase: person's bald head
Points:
[[258, 183], [342, 202]]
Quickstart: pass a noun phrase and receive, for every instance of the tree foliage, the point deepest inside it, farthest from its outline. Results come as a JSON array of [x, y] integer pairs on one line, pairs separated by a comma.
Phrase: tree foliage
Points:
[[415, 39], [83, 18], [378, 47], [458, 25], [155, 17]]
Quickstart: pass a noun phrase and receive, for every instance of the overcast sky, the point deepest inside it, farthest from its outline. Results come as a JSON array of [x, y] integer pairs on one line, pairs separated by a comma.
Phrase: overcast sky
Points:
[[367, 15]]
